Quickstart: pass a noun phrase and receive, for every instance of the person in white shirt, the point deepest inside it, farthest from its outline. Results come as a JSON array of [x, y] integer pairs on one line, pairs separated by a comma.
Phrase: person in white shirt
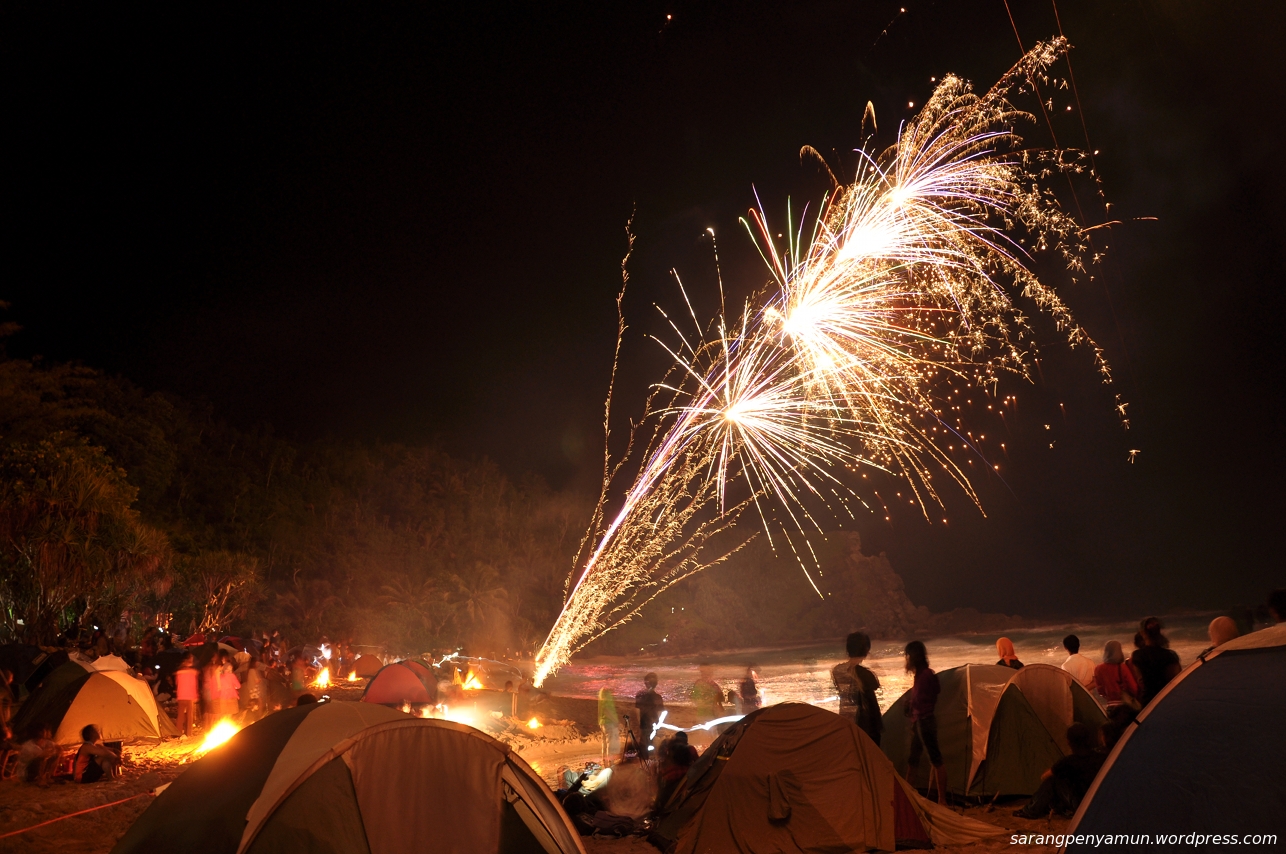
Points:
[[1081, 668]]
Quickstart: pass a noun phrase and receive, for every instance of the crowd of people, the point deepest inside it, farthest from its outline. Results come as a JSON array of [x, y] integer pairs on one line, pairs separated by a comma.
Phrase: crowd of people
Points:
[[200, 679], [1122, 684]]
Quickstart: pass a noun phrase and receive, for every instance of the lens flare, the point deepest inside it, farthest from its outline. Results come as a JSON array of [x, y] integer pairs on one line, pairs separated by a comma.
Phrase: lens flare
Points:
[[899, 298]]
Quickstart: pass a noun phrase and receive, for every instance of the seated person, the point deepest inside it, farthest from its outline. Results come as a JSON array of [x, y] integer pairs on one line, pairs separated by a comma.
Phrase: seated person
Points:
[[93, 760], [1063, 785], [38, 756], [676, 757]]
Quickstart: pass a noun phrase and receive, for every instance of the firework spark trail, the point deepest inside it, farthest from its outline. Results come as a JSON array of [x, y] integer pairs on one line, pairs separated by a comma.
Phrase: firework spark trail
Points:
[[902, 291]]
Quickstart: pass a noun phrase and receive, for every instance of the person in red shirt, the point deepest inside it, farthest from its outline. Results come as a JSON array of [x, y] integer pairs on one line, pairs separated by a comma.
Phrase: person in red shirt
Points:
[[924, 725], [1114, 678], [186, 690]]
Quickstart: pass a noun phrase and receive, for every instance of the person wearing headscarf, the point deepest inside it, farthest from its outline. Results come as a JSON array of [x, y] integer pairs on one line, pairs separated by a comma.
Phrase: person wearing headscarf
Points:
[[1008, 658], [1114, 678]]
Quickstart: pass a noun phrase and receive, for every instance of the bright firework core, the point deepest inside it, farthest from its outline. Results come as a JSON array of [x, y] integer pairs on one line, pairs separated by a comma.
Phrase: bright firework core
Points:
[[899, 297]]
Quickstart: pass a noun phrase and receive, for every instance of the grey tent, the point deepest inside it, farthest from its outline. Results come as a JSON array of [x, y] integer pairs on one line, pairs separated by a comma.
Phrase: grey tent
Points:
[[999, 728], [355, 778], [1206, 754]]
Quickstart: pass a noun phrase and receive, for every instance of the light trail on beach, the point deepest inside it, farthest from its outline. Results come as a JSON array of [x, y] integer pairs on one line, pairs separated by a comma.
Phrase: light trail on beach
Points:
[[899, 297]]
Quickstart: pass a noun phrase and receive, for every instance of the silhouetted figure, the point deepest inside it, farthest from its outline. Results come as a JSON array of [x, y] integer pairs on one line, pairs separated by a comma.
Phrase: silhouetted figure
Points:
[[649, 705], [1065, 784], [856, 687], [749, 690], [1155, 661], [920, 709], [1277, 606]]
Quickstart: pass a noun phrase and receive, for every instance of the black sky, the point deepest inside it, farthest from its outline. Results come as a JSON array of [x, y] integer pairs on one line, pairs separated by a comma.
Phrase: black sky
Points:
[[406, 225]]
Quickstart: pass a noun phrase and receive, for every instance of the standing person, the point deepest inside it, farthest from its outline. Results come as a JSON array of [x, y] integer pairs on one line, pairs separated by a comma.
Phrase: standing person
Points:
[[1114, 678], [609, 723], [1155, 661], [298, 674], [186, 692], [1008, 658], [856, 686], [229, 687], [650, 705], [210, 692], [707, 696], [924, 725], [93, 760], [1081, 668], [750, 699]]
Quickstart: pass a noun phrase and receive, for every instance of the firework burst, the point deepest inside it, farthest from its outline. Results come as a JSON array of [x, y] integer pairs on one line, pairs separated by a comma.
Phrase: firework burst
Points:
[[901, 293]]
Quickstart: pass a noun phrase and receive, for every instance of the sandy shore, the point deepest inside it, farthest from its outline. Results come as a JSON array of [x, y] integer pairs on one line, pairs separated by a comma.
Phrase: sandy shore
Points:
[[566, 738]]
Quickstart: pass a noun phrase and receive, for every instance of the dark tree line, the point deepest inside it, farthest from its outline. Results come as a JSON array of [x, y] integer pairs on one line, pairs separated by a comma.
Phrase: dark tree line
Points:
[[114, 501]]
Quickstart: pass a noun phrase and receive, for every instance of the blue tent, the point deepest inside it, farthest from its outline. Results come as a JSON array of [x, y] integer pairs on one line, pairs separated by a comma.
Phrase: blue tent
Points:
[[1206, 754]]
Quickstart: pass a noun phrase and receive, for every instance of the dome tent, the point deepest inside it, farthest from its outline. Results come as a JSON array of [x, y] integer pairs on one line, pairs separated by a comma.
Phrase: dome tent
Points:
[[352, 777], [71, 697], [367, 665], [999, 729], [794, 778], [1205, 755], [401, 682]]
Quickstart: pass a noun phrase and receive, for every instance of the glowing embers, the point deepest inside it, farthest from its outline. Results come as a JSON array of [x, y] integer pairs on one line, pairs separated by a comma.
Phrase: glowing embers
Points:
[[222, 731]]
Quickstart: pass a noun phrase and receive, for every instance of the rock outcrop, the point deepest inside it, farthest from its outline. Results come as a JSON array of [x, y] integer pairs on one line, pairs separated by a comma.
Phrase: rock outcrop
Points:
[[876, 601]]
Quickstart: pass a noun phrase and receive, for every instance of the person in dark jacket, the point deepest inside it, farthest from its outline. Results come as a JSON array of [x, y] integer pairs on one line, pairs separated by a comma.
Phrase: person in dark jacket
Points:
[[856, 687], [650, 705], [1064, 785], [920, 708], [1154, 660]]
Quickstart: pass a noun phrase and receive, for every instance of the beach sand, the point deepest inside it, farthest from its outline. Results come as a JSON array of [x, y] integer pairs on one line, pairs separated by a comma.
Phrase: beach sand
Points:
[[567, 738]]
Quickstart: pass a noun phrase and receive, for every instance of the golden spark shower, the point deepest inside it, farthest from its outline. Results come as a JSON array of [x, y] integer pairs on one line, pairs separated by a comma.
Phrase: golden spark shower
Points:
[[899, 295]]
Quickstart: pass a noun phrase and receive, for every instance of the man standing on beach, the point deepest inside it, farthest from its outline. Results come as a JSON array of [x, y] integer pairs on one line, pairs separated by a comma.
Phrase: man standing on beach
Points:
[[1081, 668], [650, 705], [856, 686]]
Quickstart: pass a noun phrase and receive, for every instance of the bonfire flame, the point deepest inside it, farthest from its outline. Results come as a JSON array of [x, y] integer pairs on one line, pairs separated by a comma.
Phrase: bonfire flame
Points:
[[472, 683], [352, 677], [323, 679], [533, 724], [223, 730]]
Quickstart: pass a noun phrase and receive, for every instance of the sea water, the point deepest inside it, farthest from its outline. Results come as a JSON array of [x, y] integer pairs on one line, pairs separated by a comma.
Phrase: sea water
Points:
[[802, 673]]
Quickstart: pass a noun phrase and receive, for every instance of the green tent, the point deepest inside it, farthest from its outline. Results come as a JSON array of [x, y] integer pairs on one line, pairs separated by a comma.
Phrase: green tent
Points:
[[999, 728]]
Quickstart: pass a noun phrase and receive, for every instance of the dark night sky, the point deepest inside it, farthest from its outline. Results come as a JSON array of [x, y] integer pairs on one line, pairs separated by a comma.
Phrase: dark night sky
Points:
[[408, 226]]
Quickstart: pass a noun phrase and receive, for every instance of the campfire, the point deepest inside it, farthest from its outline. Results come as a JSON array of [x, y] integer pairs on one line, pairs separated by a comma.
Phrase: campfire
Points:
[[222, 731], [323, 679]]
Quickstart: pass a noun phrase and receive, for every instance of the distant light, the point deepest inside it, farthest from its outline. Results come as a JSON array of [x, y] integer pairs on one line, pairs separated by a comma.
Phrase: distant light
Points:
[[1069, 108], [669, 17], [910, 103]]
